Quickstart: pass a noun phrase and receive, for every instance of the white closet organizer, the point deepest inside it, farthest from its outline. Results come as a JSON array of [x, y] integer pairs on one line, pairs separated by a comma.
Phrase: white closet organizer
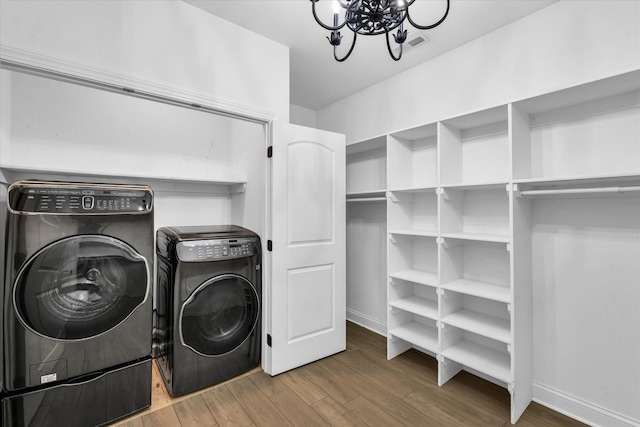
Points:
[[459, 218], [366, 233], [412, 294], [367, 171], [412, 212]]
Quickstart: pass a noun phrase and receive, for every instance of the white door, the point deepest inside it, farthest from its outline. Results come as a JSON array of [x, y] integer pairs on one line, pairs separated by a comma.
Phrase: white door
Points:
[[305, 307]]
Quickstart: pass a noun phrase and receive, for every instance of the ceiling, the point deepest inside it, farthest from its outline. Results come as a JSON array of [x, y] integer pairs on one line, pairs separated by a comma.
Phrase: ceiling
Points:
[[318, 80]]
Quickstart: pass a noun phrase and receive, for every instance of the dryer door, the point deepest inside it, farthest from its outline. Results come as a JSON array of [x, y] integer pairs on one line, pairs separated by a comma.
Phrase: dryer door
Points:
[[80, 287], [219, 315]]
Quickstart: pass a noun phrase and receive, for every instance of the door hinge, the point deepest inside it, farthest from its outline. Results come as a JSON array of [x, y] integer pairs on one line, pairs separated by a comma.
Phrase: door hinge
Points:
[[270, 151], [269, 245], [269, 340]]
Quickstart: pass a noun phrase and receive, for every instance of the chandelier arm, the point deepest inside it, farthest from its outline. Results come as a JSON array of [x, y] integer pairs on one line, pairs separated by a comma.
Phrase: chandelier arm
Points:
[[391, 51], [353, 44], [322, 24], [428, 27]]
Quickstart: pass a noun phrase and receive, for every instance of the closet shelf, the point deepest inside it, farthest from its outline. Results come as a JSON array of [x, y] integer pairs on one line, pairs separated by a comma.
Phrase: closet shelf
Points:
[[591, 180], [158, 182], [416, 276], [430, 189], [495, 363], [421, 306], [368, 200], [494, 238], [476, 186], [481, 324], [479, 289], [353, 195], [418, 334], [415, 233], [367, 145]]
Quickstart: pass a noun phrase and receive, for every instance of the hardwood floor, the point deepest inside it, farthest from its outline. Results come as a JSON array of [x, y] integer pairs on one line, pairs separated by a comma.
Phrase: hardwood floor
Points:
[[358, 387]]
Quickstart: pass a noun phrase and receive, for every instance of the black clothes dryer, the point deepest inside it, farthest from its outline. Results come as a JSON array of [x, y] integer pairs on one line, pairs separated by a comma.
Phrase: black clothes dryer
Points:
[[208, 312], [77, 302]]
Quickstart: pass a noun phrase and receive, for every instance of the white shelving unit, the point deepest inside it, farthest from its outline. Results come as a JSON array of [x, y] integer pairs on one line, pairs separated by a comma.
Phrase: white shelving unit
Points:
[[464, 197], [474, 149], [461, 212], [576, 176], [367, 169], [412, 212], [465, 351], [412, 292], [475, 213], [366, 172], [413, 160]]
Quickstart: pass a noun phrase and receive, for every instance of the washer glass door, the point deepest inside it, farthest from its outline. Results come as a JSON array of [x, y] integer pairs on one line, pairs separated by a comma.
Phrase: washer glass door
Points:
[[80, 287], [219, 315]]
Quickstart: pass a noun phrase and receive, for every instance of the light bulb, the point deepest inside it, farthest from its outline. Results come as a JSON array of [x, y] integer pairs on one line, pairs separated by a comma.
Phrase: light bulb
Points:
[[335, 6]]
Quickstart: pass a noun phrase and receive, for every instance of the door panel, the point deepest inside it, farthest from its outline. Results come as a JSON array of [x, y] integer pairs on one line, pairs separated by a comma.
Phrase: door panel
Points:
[[307, 186], [306, 308], [310, 293]]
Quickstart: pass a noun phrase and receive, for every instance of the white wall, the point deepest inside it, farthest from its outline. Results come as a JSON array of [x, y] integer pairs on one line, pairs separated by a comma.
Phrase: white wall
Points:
[[586, 301], [56, 130], [567, 43], [366, 273], [302, 116], [166, 45]]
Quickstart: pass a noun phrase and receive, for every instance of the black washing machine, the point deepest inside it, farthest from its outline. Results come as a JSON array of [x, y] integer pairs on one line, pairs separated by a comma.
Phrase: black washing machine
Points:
[[208, 312], [3, 216], [77, 306]]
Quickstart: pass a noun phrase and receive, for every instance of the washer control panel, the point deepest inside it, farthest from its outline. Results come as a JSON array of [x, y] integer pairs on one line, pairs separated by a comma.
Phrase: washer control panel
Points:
[[216, 249], [78, 200]]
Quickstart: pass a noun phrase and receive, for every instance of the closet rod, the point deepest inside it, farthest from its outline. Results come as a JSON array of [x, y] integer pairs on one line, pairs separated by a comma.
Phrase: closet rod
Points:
[[578, 191]]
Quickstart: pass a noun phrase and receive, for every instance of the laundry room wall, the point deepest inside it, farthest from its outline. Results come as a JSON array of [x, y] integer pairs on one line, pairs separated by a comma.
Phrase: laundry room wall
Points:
[[192, 159], [81, 133], [163, 46], [562, 45]]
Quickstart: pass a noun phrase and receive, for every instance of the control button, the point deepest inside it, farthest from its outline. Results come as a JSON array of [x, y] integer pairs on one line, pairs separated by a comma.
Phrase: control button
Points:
[[87, 202], [225, 250]]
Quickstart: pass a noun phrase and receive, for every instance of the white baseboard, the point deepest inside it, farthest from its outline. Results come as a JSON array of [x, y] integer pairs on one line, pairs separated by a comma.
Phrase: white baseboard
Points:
[[368, 322], [579, 409]]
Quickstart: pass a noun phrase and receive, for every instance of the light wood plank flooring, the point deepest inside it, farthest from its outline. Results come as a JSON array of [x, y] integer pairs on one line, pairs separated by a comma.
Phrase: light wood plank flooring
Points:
[[358, 387]]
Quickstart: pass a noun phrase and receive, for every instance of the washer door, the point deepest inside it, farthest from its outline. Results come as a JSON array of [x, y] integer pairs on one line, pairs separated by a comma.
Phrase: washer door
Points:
[[80, 287], [219, 315]]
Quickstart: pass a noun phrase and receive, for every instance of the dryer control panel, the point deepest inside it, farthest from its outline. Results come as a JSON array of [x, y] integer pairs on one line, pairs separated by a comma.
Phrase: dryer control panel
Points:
[[216, 249], [49, 198]]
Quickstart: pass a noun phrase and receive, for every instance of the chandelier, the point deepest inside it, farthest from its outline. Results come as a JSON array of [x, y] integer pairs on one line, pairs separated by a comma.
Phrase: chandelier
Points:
[[370, 18]]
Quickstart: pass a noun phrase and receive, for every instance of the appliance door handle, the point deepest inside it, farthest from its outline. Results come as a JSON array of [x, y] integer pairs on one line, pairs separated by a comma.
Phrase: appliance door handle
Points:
[[84, 379]]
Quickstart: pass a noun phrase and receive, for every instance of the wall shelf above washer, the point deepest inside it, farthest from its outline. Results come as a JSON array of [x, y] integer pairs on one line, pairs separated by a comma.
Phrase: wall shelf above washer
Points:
[[10, 173]]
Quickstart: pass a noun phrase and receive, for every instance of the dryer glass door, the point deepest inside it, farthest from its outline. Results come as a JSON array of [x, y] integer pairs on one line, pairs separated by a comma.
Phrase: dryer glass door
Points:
[[80, 287], [219, 315]]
